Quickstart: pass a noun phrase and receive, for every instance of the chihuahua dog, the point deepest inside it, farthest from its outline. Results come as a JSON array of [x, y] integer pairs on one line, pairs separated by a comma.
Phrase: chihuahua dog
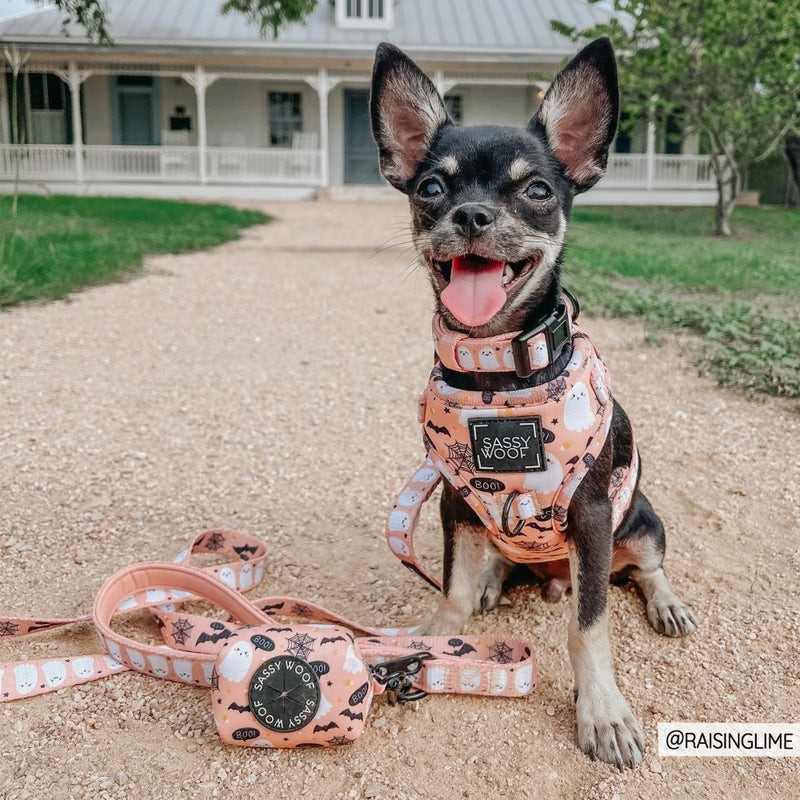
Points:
[[489, 207]]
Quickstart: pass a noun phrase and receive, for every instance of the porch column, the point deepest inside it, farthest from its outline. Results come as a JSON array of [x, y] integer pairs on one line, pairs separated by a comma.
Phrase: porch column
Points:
[[322, 84], [201, 80], [75, 78], [651, 151], [5, 129]]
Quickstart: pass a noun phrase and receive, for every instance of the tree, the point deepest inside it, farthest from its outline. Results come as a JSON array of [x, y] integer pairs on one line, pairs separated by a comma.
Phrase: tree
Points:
[[726, 69], [92, 15]]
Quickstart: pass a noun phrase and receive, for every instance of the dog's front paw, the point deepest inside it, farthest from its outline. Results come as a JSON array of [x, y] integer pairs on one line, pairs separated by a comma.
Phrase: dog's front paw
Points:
[[608, 730], [671, 616]]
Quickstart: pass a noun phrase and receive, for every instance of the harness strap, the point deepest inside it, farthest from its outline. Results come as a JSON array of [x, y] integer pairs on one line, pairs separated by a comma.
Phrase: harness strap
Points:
[[477, 665]]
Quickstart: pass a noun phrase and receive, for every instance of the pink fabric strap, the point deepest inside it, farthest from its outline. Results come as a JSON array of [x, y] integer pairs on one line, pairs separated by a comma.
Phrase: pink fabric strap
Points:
[[479, 665]]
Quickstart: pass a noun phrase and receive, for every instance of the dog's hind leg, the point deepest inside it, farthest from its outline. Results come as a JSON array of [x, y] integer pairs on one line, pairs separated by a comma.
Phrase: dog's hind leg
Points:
[[639, 551], [606, 727]]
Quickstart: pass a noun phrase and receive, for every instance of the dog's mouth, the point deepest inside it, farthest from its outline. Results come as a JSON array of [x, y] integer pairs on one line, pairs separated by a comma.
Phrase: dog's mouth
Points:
[[475, 288]]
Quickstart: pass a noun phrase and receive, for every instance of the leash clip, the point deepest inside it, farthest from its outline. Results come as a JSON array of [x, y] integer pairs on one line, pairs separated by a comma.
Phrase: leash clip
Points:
[[397, 676]]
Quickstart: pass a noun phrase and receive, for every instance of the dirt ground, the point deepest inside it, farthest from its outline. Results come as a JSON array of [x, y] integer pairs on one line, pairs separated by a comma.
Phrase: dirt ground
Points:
[[270, 385]]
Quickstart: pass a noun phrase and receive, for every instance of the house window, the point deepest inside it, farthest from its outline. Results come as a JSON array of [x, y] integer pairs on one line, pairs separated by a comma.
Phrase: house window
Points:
[[454, 105], [364, 13], [43, 106], [47, 92], [285, 117]]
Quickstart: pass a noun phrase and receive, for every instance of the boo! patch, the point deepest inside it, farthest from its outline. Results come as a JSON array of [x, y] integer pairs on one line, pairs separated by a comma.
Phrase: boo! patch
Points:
[[507, 444]]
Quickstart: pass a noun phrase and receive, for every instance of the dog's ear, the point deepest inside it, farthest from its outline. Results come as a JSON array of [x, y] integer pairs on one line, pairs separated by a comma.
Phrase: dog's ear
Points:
[[406, 111], [579, 113]]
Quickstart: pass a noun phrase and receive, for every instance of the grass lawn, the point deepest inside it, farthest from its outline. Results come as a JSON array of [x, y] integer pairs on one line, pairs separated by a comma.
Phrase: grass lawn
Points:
[[741, 295], [57, 245]]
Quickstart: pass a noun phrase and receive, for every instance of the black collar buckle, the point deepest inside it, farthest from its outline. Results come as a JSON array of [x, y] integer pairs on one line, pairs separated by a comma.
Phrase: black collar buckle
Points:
[[398, 676], [556, 328]]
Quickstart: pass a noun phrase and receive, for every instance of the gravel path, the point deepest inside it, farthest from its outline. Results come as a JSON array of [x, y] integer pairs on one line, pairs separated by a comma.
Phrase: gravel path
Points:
[[221, 388]]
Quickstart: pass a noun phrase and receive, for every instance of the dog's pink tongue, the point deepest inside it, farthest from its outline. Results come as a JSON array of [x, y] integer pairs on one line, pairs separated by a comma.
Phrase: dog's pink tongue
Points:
[[475, 292]]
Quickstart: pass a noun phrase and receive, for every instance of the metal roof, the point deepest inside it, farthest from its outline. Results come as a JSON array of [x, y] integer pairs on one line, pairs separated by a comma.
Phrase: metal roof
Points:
[[489, 30]]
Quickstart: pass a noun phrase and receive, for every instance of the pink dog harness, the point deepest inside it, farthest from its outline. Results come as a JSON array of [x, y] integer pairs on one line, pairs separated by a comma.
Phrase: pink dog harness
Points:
[[518, 457]]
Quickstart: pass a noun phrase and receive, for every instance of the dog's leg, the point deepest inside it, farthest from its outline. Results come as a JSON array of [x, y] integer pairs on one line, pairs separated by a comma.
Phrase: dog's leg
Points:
[[606, 727], [490, 584], [464, 548], [640, 544]]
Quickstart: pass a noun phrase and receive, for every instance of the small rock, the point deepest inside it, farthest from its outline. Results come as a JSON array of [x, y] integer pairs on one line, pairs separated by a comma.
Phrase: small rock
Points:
[[550, 711], [655, 766], [373, 790], [121, 778]]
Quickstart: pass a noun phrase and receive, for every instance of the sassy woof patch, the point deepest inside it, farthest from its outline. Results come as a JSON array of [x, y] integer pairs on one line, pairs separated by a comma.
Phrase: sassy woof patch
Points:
[[507, 444], [284, 694]]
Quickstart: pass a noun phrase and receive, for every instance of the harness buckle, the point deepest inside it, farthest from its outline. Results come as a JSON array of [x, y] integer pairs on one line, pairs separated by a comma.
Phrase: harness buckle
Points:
[[556, 329], [397, 676]]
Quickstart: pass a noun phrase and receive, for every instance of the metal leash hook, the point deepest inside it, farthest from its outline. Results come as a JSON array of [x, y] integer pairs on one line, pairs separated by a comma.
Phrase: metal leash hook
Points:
[[397, 676], [506, 513]]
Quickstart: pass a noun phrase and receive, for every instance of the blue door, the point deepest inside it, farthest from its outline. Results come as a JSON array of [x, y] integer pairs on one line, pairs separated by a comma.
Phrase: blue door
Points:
[[135, 117], [360, 150]]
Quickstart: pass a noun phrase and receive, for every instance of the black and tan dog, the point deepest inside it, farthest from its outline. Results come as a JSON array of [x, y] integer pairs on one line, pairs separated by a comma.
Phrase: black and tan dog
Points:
[[489, 207]]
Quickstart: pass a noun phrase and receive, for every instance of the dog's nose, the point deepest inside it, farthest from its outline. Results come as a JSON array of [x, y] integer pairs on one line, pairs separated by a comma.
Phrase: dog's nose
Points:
[[472, 219]]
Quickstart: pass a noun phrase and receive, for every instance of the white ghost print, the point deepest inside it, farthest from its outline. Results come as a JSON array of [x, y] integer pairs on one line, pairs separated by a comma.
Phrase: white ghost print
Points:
[[159, 665], [137, 659], [352, 663], [25, 676], [183, 669], [470, 679], [399, 546], [498, 680], [436, 678], [523, 679], [409, 497], [445, 388], [575, 482], [578, 414], [575, 361], [465, 358], [526, 508], [487, 358], [236, 663], [259, 572], [55, 672], [508, 357], [539, 354], [324, 706], [547, 481], [113, 648], [425, 475], [246, 576], [82, 667], [399, 521], [227, 576], [112, 664], [127, 604], [208, 669], [155, 595]]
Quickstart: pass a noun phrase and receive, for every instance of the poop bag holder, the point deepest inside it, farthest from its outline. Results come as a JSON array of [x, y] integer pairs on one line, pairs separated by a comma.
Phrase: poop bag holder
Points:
[[273, 684]]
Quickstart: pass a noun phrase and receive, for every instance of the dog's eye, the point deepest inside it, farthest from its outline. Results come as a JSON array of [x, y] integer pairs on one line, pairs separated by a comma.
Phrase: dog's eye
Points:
[[430, 187], [539, 190]]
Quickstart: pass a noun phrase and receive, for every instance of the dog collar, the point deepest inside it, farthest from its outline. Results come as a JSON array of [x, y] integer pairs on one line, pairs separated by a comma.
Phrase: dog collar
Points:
[[522, 352]]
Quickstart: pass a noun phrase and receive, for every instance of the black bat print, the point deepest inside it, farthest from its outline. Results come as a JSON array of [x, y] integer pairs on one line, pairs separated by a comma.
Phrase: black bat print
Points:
[[333, 639], [463, 650], [348, 713], [278, 630], [237, 707], [437, 429], [244, 549], [221, 633], [325, 727], [273, 607]]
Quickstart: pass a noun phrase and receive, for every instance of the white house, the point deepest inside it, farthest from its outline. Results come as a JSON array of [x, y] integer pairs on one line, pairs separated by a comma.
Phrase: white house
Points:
[[189, 102]]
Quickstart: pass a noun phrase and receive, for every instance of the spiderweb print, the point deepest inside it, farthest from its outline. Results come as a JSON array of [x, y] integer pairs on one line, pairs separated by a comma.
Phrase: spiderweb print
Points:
[[501, 653], [460, 455], [8, 628], [181, 630]]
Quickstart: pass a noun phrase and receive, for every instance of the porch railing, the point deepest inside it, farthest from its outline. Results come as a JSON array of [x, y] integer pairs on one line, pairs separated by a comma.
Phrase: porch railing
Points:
[[660, 171], [170, 164], [285, 166]]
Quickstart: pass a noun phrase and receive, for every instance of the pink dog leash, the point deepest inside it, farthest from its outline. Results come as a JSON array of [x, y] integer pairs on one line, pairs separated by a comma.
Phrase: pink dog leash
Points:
[[474, 665]]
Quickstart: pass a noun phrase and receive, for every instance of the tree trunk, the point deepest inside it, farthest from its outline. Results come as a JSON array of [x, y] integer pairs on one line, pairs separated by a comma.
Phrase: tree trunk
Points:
[[728, 183]]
